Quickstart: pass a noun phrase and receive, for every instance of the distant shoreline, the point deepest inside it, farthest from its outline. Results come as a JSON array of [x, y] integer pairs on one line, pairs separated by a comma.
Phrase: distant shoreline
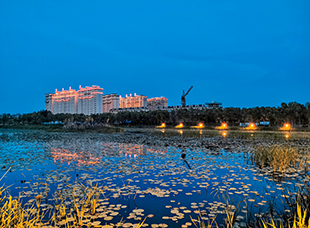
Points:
[[233, 132], [60, 128]]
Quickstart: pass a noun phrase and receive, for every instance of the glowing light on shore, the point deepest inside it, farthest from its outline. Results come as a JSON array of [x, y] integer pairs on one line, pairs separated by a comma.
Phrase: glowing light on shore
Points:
[[180, 125], [252, 126], [223, 126], [286, 127], [163, 125], [200, 125]]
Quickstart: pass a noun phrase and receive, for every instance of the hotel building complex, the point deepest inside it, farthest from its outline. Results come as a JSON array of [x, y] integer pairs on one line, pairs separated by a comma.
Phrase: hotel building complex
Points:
[[135, 101], [86, 101], [90, 100], [114, 103], [110, 101], [157, 103]]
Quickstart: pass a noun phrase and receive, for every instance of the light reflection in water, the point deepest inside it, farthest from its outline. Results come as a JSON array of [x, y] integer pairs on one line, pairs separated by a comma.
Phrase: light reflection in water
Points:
[[224, 133], [131, 150], [180, 131], [287, 135], [200, 132], [163, 130], [68, 156], [95, 156]]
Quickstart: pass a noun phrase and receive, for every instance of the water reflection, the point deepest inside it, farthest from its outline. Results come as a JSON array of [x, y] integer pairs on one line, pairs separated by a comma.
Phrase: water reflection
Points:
[[180, 131], [158, 174], [81, 157], [156, 151], [131, 150], [96, 155]]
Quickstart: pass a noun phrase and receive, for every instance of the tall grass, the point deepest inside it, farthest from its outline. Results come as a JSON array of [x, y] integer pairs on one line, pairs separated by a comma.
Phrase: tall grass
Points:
[[84, 202], [299, 220], [14, 214], [282, 157]]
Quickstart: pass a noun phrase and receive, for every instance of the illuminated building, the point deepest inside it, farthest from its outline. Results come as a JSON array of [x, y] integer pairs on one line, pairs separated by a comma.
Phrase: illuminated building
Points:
[[89, 100], [61, 101], [135, 101], [139, 109], [86, 101], [177, 107], [213, 104], [157, 103], [110, 101]]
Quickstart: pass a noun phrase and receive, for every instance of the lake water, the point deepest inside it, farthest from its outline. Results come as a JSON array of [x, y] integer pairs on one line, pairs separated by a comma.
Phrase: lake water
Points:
[[137, 180]]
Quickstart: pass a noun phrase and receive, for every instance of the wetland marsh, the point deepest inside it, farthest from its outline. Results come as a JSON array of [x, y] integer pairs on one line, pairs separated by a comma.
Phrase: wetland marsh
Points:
[[127, 180]]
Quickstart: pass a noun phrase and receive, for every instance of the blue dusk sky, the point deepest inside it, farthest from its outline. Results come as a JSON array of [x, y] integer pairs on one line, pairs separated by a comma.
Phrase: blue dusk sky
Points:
[[241, 53]]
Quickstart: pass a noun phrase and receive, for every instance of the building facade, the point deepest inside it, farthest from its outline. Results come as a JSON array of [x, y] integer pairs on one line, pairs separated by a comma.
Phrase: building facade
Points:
[[89, 100], [173, 108], [157, 103], [213, 104], [135, 101], [110, 101], [86, 101], [138, 109]]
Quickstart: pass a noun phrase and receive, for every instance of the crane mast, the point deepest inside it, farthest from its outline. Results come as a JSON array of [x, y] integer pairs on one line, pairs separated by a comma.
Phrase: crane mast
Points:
[[183, 100]]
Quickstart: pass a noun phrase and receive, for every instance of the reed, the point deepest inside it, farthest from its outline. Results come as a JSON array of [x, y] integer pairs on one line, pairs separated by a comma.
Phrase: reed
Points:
[[14, 214], [201, 224], [282, 157], [299, 220]]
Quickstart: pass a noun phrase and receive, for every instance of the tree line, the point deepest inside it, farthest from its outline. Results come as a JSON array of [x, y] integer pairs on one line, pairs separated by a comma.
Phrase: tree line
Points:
[[294, 113]]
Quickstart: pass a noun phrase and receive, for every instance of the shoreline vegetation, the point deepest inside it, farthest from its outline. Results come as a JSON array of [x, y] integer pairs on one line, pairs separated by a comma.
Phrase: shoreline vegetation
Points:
[[234, 132], [104, 128], [293, 113]]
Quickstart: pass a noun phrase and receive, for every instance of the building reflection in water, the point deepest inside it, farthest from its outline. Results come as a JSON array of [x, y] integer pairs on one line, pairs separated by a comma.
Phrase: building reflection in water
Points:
[[126, 150], [130, 150], [81, 157]]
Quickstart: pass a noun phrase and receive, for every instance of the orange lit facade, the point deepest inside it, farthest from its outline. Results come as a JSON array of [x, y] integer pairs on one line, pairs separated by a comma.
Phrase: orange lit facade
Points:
[[135, 101], [157, 102], [89, 100], [110, 101], [86, 101]]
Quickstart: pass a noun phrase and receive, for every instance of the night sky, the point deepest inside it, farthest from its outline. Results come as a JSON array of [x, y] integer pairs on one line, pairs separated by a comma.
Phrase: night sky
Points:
[[241, 53]]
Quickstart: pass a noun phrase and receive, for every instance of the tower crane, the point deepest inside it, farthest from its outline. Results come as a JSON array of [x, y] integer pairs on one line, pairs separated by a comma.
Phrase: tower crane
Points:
[[183, 100]]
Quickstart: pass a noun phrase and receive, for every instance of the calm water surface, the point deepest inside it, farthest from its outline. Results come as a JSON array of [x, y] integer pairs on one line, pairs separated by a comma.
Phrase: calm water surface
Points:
[[136, 176]]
